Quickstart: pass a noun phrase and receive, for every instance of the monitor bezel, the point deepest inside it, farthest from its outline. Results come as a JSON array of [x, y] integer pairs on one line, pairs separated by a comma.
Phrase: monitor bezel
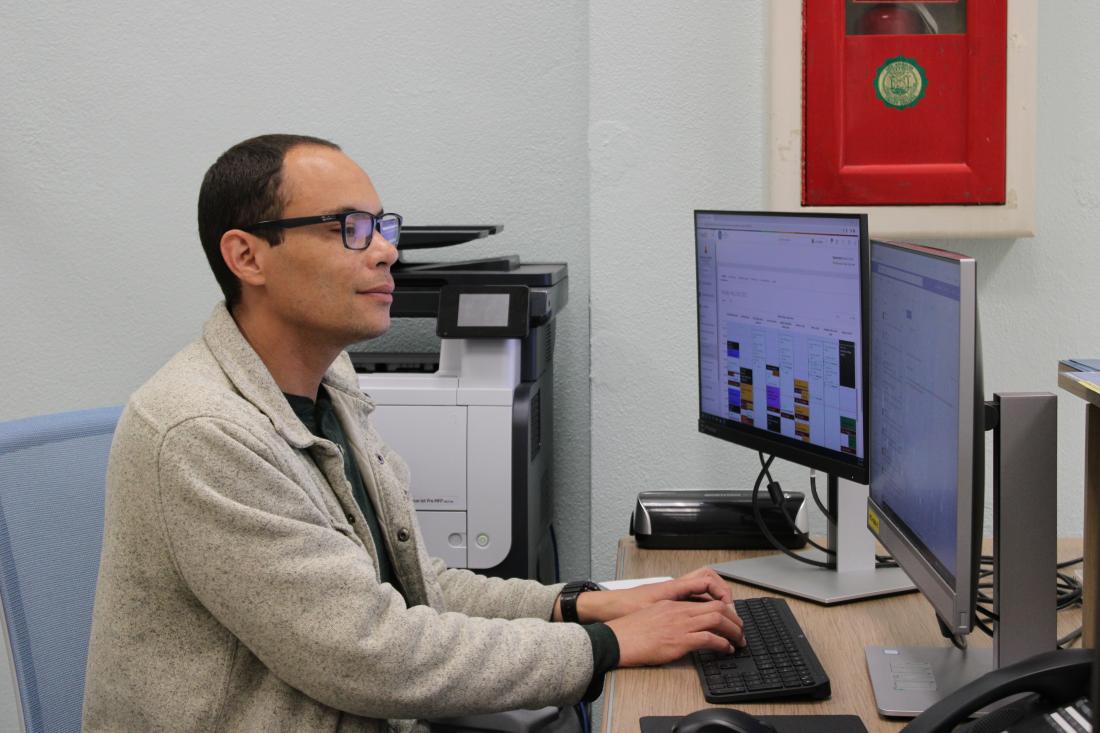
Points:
[[852, 468], [953, 599]]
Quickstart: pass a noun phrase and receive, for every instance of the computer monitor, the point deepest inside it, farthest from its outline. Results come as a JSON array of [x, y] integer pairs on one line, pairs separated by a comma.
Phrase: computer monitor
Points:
[[926, 502], [927, 487], [782, 320], [782, 362]]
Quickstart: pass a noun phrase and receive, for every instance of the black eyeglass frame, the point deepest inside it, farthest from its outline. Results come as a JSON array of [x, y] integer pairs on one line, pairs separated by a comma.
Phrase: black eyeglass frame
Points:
[[342, 217]]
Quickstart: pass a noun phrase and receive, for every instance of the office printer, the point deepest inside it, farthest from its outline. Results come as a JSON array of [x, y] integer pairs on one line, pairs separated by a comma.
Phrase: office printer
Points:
[[475, 421]]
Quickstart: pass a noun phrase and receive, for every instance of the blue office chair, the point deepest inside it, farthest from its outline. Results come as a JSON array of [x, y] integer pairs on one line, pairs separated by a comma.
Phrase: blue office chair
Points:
[[52, 472]]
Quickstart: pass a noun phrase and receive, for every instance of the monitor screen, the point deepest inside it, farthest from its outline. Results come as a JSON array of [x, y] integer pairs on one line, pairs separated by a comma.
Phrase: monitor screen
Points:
[[781, 320], [926, 493]]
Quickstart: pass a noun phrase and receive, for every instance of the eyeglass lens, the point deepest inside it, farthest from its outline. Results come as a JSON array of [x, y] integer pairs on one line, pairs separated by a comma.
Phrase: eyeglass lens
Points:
[[359, 228]]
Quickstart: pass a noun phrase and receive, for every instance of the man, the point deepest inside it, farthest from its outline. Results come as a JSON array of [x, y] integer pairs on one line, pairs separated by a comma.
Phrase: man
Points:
[[262, 568]]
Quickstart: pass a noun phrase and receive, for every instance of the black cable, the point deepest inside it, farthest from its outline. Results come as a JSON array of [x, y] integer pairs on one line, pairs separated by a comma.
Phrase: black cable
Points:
[[987, 613], [1067, 587], [554, 543], [978, 623], [1062, 643], [766, 464], [775, 491], [816, 546], [1068, 639], [881, 561], [1068, 593], [586, 721], [1071, 591]]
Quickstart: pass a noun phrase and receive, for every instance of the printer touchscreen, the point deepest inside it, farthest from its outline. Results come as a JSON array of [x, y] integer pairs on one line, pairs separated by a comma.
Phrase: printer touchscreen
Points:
[[483, 311]]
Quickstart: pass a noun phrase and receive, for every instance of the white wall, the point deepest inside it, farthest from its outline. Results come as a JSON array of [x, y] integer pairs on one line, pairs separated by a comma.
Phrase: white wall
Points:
[[678, 114], [678, 122], [462, 113], [471, 112]]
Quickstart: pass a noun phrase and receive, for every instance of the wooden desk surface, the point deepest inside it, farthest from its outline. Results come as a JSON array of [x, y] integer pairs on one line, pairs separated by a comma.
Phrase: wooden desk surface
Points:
[[837, 633]]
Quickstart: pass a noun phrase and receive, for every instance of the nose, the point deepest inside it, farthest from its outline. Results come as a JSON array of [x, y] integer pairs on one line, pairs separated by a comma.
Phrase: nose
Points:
[[381, 250]]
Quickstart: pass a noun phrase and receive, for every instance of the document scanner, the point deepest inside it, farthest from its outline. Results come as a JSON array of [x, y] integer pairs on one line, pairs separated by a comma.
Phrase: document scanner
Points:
[[475, 422], [710, 518]]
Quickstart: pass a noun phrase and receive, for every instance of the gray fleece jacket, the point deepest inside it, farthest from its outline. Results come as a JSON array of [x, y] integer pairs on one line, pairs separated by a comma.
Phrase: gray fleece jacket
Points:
[[238, 586]]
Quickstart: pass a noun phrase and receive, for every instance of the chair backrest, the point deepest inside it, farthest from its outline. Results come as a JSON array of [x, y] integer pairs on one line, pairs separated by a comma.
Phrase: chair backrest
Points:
[[52, 478]]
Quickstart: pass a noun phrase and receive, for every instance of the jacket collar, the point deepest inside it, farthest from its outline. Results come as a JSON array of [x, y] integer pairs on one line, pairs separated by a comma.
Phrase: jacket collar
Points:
[[248, 373]]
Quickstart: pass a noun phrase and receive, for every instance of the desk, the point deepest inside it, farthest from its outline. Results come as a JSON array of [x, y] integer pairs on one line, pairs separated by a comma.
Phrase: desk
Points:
[[838, 635], [1091, 571]]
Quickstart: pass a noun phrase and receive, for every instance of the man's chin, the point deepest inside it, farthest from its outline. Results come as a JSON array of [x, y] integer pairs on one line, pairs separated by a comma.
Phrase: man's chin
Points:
[[368, 332]]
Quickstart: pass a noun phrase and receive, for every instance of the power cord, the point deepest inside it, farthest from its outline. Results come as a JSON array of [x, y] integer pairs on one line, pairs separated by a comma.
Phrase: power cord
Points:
[[1068, 589], [881, 561], [775, 491], [776, 494]]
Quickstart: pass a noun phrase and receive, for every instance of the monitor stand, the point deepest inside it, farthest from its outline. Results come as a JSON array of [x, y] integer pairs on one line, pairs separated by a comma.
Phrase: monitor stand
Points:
[[855, 576], [908, 680]]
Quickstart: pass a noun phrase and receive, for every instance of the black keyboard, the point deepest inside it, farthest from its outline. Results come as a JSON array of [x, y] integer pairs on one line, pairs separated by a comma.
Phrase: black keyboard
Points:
[[777, 663]]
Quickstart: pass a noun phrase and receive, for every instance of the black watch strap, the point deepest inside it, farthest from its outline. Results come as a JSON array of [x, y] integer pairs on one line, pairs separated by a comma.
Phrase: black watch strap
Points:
[[569, 598]]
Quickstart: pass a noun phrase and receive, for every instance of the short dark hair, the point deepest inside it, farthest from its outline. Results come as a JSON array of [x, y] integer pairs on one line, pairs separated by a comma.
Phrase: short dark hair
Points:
[[240, 189]]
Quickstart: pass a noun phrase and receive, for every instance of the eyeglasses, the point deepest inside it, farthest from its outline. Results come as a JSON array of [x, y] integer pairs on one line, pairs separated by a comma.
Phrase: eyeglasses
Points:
[[356, 227]]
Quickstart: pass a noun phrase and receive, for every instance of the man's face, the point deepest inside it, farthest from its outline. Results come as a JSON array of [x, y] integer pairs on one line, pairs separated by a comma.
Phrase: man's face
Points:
[[319, 290]]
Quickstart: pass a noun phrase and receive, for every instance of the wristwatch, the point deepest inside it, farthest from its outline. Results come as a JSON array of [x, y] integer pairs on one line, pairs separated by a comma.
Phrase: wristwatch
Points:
[[568, 598]]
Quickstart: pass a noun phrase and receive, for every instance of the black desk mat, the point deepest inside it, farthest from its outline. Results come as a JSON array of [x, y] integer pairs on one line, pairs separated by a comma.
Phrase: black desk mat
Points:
[[782, 723]]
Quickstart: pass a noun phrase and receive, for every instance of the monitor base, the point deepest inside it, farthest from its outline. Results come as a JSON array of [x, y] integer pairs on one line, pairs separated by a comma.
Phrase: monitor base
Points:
[[785, 575], [909, 680]]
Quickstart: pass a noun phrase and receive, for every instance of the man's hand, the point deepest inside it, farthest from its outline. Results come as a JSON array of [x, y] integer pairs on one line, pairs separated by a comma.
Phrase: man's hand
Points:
[[661, 622], [700, 585], [667, 630]]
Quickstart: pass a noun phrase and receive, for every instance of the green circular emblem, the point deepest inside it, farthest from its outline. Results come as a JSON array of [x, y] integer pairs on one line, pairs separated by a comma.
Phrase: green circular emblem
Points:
[[900, 82]]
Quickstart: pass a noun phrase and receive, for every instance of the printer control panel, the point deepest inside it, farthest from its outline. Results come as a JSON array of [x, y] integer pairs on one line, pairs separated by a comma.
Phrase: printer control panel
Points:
[[483, 311]]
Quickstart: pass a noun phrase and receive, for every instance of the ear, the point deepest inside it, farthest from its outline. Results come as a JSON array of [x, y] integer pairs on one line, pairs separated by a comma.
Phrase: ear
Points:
[[241, 252]]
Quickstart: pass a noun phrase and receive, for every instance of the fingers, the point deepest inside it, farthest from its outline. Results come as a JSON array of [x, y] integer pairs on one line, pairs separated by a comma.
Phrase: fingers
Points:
[[705, 607], [704, 582], [729, 630], [720, 619], [667, 629], [713, 642]]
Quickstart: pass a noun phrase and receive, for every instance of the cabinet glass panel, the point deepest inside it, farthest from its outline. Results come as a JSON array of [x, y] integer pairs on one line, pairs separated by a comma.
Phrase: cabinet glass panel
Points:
[[890, 17]]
